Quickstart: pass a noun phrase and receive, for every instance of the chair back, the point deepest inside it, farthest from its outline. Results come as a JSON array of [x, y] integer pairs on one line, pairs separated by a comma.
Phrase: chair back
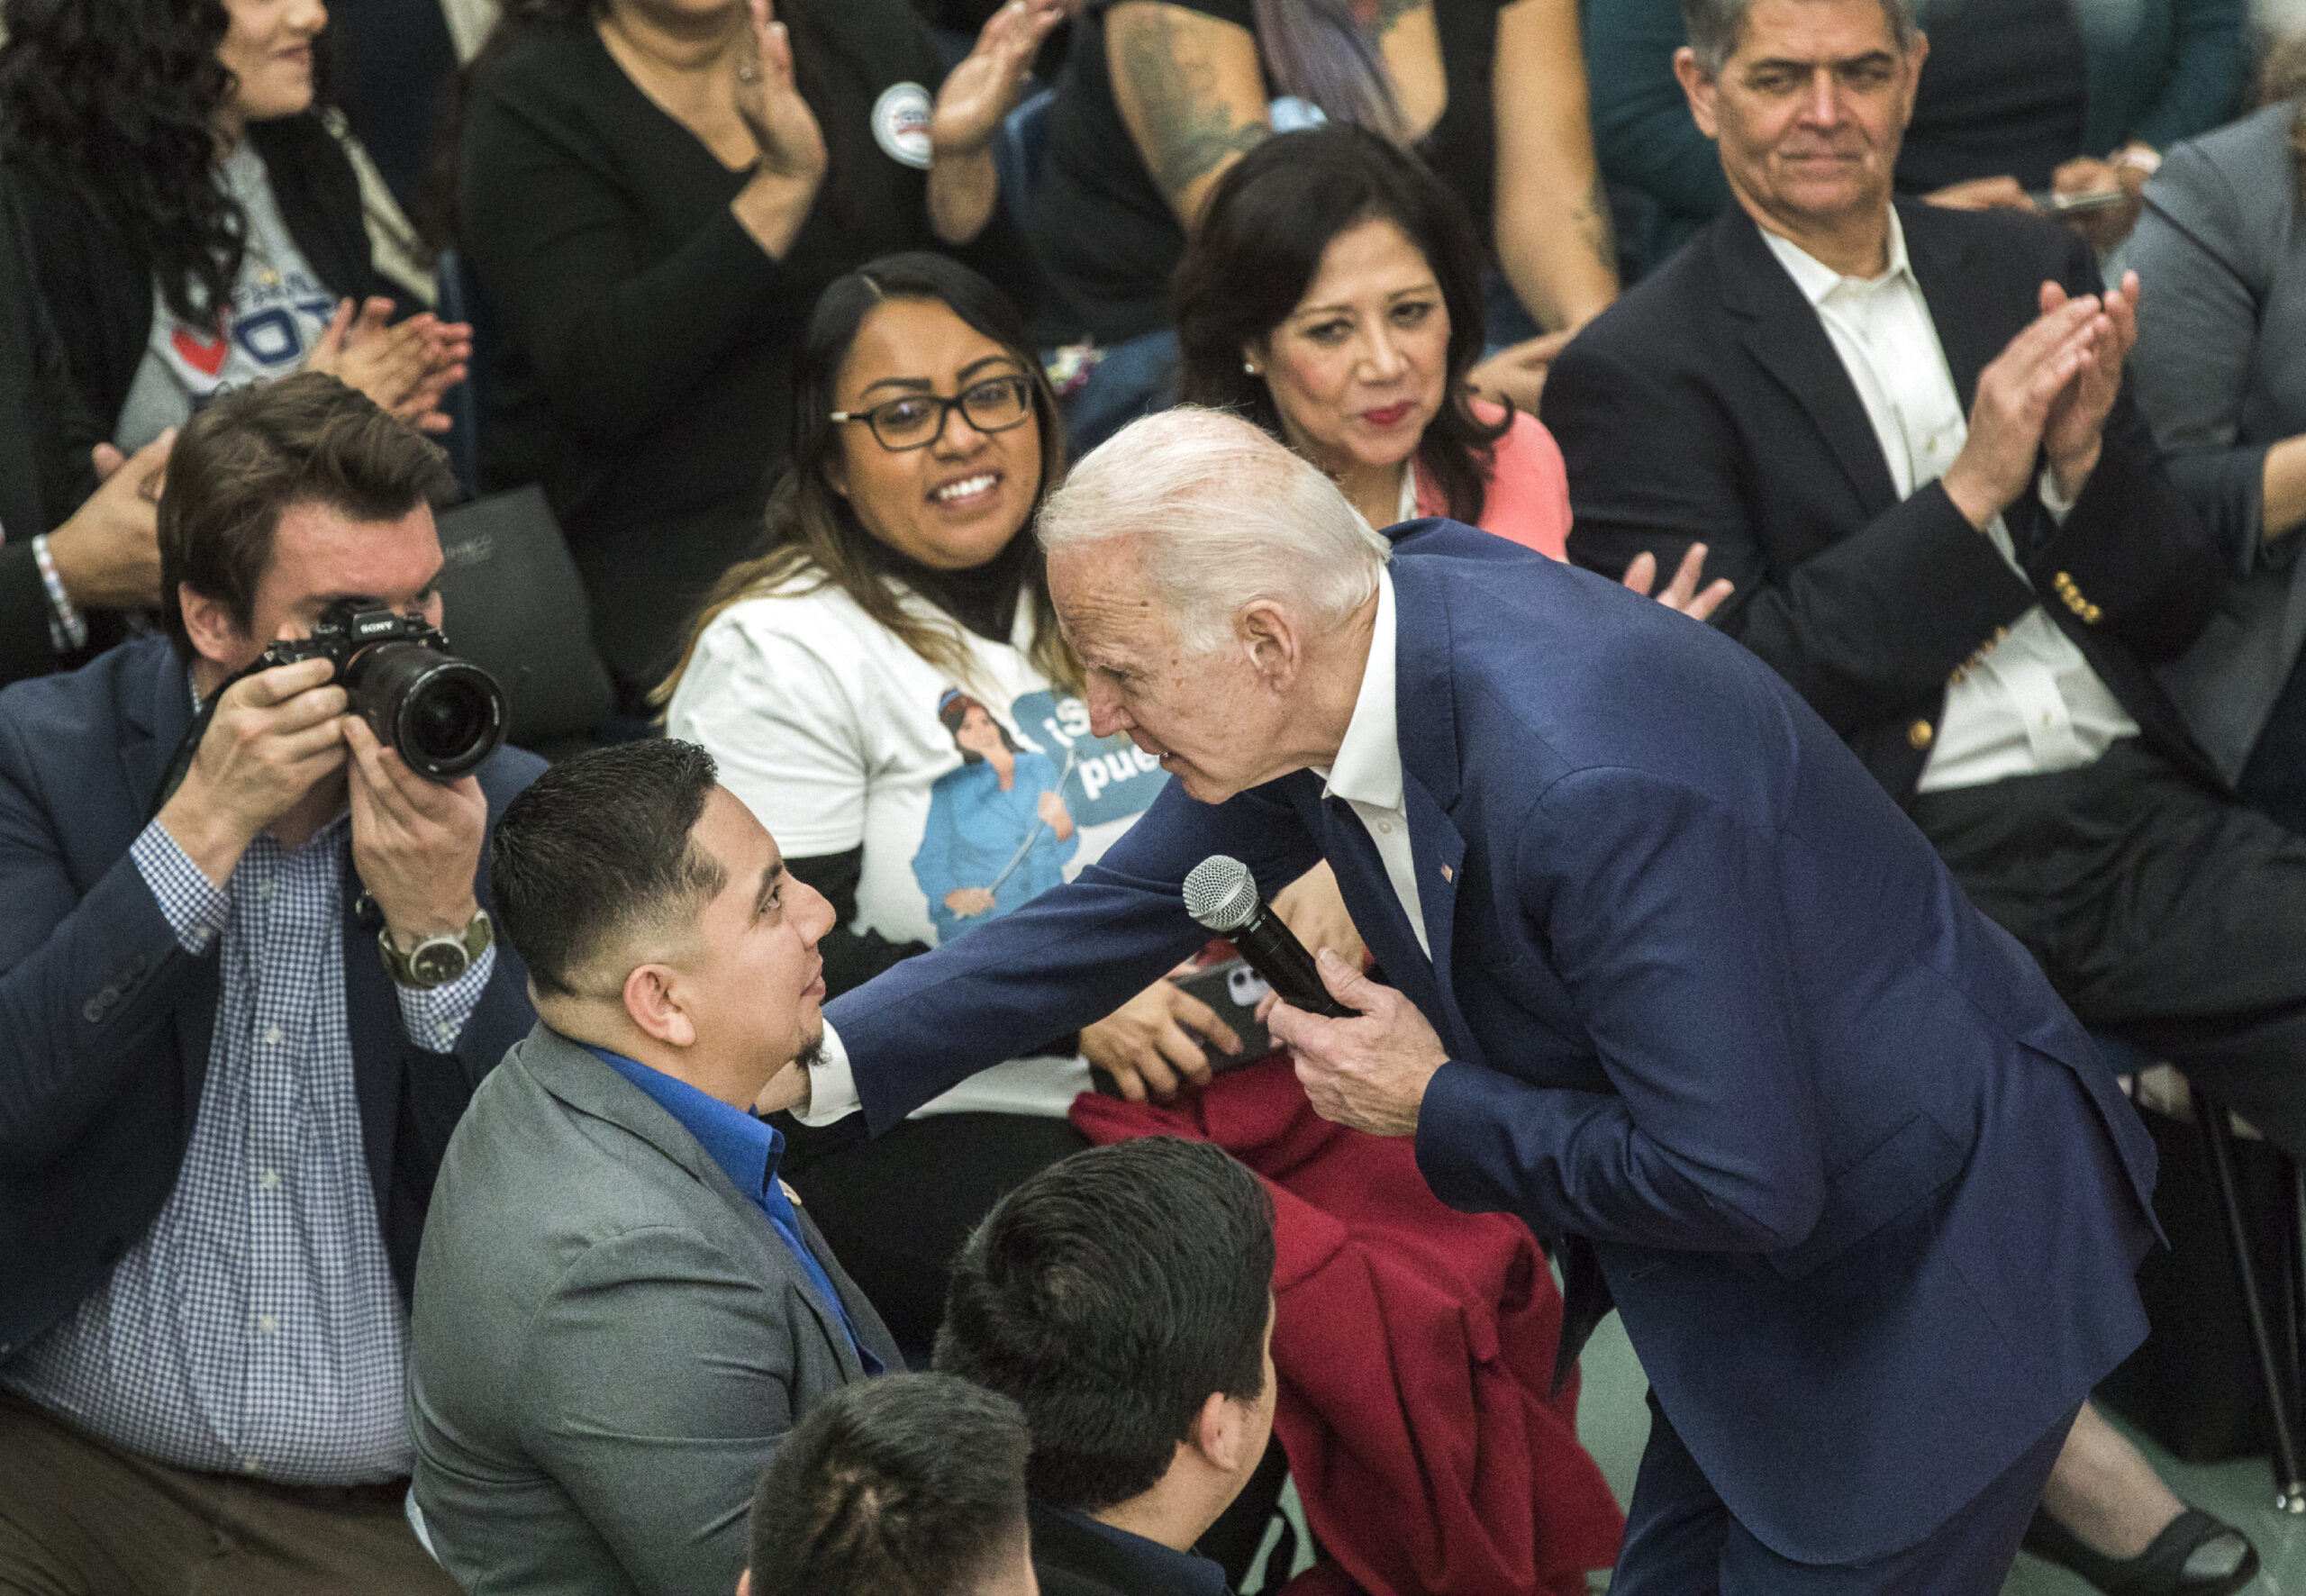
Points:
[[1019, 149], [454, 300], [515, 607]]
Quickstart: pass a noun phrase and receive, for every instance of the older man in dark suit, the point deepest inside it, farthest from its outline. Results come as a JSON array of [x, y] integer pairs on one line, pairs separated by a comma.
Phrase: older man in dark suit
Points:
[[1670, 973], [620, 1309], [1905, 435]]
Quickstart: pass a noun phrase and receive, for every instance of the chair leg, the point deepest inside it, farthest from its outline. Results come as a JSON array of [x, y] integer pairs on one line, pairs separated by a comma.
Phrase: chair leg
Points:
[[2218, 1138]]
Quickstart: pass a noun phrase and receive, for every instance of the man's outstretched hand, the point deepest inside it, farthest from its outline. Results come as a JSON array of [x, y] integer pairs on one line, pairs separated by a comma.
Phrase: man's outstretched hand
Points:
[[1370, 1070]]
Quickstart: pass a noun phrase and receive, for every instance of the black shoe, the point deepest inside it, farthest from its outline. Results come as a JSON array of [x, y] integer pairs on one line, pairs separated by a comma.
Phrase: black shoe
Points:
[[2194, 1556]]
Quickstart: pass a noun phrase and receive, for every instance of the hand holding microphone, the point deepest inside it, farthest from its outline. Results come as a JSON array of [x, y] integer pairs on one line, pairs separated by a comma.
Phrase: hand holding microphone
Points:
[[1363, 1052]]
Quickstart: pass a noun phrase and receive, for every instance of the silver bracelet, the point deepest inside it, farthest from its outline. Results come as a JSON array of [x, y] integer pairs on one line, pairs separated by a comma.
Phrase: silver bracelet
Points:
[[68, 629]]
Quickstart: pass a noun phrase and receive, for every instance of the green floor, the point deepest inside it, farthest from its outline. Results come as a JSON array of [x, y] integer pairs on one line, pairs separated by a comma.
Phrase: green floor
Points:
[[1615, 1424]]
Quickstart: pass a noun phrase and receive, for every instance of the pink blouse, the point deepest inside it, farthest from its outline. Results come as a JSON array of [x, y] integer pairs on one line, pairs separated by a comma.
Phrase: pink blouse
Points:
[[1527, 501]]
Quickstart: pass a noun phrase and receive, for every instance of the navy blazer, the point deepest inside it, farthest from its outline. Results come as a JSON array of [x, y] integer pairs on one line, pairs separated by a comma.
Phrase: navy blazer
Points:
[[105, 1022], [1868, 1199]]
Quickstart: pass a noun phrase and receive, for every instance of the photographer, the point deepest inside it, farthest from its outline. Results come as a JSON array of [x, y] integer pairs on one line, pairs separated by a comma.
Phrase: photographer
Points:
[[221, 1109]]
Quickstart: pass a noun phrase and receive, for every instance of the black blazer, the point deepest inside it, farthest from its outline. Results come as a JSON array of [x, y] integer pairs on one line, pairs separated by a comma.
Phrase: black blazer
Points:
[[1709, 405], [98, 284], [105, 1022], [45, 468]]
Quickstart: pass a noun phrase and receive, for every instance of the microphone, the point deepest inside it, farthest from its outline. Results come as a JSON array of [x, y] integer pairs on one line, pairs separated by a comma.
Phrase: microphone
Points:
[[1223, 895]]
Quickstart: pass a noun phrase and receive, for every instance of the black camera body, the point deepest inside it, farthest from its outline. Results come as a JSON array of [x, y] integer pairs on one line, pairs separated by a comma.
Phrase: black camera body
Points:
[[442, 714]]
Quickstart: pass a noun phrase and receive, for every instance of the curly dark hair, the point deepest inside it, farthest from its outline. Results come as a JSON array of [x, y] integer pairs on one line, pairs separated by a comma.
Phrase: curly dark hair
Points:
[[114, 98]]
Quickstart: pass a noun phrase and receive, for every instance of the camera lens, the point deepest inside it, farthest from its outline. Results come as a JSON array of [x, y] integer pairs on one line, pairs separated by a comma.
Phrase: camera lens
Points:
[[442, 714], [447, 718]]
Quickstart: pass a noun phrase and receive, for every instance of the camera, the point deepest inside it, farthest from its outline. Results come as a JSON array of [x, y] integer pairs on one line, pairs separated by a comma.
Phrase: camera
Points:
[[442, 714]]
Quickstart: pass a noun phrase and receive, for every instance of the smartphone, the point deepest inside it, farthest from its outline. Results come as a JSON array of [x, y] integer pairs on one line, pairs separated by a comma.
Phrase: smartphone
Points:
[[1234, 990], [2049, 202]]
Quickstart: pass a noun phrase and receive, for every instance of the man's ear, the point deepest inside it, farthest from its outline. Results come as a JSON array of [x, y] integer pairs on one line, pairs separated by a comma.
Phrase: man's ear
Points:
[[1220, 1433], [1698, 86], [654, 1004], [216, 635], [1270, 636]]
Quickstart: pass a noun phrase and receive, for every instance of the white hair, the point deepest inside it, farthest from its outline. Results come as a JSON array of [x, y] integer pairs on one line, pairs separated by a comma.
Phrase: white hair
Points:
[[1224, 514]]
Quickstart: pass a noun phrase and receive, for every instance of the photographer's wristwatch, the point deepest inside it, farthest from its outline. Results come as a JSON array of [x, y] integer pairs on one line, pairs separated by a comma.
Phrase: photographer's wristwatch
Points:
[[437, 960]]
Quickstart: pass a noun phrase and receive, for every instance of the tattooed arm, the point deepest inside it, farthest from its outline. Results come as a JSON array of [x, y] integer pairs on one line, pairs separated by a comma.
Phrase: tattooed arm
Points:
[[1190, 92], [1554, 238]]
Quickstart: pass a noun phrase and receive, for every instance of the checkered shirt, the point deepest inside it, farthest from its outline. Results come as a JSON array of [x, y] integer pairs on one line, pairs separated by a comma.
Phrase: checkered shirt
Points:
[[255, 1328]]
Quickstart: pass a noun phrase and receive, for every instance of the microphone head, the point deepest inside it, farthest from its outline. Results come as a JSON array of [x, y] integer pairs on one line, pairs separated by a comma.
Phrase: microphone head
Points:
[[1222, 893]]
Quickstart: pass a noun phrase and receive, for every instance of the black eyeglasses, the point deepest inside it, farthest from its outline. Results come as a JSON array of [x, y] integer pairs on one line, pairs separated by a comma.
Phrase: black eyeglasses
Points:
[[918, 420]]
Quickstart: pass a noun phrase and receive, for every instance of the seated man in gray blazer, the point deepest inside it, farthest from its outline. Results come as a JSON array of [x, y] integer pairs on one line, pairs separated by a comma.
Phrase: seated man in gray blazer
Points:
[[618, 1310]]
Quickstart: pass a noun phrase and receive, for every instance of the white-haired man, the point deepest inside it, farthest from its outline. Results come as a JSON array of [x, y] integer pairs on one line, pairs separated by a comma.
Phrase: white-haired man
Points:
[[1670, 975]]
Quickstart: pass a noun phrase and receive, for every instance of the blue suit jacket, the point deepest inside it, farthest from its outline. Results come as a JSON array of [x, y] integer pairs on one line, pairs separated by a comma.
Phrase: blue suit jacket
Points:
[[106, 1023], [1867, 1200]]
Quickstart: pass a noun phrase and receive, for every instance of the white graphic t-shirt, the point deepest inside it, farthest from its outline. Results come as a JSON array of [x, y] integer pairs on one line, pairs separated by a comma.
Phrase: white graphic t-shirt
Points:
[[970, 797], [279, 309]]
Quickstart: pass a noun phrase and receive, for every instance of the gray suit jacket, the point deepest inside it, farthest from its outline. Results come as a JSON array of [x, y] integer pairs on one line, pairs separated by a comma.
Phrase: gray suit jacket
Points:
[[608, 1341], [2220, 376]]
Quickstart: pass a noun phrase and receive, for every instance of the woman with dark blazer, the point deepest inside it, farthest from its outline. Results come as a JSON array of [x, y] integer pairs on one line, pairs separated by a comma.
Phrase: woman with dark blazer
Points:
[[2220, 368], [651, 194], [212, 239]]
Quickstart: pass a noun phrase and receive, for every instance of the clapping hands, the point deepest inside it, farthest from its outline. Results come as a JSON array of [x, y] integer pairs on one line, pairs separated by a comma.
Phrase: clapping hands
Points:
[[978, 93], [2049, 392], [405, 367], [792, 144]]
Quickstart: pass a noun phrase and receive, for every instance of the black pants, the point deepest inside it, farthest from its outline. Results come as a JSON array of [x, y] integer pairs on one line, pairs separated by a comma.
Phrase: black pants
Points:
[[2163, 911], [896, 1208]]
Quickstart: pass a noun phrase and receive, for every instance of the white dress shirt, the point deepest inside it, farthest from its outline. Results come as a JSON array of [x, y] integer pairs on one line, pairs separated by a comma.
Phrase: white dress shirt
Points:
[[1368, 775], [2031, 703]]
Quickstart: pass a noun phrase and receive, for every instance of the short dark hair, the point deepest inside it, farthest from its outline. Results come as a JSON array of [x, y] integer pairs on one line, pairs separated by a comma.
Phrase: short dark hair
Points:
[[1258, 246], [1109, 1295], [599, 842], [251, 453], [1714, 28], [905, 1485]]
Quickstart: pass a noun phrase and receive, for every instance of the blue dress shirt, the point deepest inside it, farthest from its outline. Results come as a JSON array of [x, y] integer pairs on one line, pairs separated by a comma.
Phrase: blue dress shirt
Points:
[[748, 1151]]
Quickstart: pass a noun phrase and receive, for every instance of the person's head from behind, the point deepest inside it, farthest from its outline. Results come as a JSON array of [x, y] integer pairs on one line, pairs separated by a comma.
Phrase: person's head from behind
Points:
[[131, 100], [1332, 294], [1211, 581], [947, 440], [1808, 99], [907, 1485], [1122, 1298], [283, 498], [657, 917]]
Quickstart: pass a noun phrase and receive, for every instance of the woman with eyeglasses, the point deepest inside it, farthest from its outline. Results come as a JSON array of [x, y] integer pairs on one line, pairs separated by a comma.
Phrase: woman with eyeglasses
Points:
[[887, 691], [649, 196]]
